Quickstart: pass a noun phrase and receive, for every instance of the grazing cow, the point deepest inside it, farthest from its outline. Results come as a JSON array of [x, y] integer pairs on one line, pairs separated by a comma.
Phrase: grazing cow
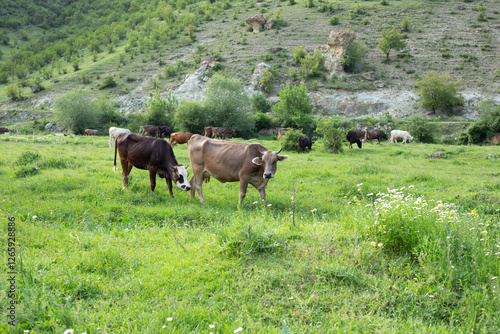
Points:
[[149, 130], [360, 134], [352, 137], [154, 155], [222, 133], [303, 143], [375, 134], [248, 163], [399, 134], [90, 132], [3, 130], [164, 131], [228, 133], [180, 138], [495, 140], [114, 133], [208, 131]]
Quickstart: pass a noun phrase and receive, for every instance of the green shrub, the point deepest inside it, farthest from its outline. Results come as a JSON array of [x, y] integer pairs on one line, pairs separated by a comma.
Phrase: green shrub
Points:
[[294, 108], [487, 125], [191, 117], [289, 140], [405, 25], [438, 91], [298, 54], [353, 55], [262, 121], [13, 92], [267, 80], [76, 111], [334, 20], [160, 111], [260, 104], [333, 135], [27, 158], [312, 66], [26, 171], [421, 129], [108, 82]]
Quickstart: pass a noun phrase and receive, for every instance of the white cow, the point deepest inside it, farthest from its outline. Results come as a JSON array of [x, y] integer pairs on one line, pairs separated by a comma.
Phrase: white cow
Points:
[[114, 133], [399, 134]]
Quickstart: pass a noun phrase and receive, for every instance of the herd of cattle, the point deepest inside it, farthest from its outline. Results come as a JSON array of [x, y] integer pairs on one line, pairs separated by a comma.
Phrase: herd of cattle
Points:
[[226, 161]]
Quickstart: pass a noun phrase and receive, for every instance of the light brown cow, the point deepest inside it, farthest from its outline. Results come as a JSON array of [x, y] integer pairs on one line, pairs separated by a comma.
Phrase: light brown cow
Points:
[[90, 132], [180, 138], [149, 130], [248, 163], [208, 131], [495, 140]]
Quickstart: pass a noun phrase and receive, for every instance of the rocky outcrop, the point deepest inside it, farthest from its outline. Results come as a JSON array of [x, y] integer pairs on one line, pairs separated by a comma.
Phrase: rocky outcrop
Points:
[[335, 48], [193, 86], [257, 74], [257, 22]]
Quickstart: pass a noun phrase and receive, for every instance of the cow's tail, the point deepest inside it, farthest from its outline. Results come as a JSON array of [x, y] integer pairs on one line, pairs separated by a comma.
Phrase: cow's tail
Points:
[[116, 148]]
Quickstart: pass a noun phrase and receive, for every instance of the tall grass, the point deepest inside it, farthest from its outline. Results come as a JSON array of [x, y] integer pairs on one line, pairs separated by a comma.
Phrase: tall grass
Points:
[[380, 239]]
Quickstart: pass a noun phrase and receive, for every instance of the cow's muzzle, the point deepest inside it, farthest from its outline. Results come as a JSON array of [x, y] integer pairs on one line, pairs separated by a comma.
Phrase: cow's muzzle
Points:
[[268, 175], [184, 187]]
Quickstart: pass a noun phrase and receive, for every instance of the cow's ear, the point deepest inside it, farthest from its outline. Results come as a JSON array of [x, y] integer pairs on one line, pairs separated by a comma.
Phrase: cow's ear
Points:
[[257, 161], [186, 166], [282, 157]]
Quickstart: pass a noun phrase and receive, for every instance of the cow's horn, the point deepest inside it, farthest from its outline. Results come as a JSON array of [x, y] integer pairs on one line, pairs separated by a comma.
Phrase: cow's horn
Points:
[[279, 151], [260, 152]]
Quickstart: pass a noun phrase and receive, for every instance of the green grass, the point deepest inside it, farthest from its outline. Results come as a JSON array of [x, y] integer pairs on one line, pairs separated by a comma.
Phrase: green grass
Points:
[[356, 249]]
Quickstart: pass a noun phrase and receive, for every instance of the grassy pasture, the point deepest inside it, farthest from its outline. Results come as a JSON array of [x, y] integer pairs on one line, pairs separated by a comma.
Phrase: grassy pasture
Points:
[[382, 239]]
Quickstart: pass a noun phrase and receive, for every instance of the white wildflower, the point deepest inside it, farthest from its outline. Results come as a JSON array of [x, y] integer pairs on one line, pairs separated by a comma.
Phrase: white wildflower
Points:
[[211, 326], [69, 331], [170, 319], [237, 330]]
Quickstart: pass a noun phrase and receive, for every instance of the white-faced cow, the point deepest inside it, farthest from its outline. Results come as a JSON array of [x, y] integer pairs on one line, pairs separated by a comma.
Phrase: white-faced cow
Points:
[[153, 155], [114, 133], [399, 134], [248, 163]]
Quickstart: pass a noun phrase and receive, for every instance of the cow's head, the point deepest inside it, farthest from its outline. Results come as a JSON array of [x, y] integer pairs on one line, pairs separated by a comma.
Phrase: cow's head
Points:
[[269, 159], [180, 177]]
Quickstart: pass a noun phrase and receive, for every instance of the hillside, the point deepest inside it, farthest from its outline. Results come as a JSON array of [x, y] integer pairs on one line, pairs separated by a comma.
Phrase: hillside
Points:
[[455, 38]]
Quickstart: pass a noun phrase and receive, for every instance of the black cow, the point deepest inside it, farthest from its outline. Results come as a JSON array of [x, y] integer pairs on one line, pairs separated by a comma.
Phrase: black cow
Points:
[[303, 143], [164, 131], [352, 137], [154, 155]]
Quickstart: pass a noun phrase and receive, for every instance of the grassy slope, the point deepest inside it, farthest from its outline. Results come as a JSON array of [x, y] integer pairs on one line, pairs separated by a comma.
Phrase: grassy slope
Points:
[[95, 256], [437, 29]]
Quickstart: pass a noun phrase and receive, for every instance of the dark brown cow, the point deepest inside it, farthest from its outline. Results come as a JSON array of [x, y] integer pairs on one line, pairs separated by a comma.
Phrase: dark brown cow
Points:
[[248, 163], [164, 131], [304, 142], [3, 130], [180, 138], [149, 130], [360, 134], [375, 134], [222, 133], [228, 133], [90, 132], [352, 137], [208, 131], [154, 155]]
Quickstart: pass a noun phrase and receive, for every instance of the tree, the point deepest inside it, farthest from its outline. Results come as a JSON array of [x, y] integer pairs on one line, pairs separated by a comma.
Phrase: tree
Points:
[[438, 91], [76, 111], [294, 108], [487, 125], [333, 135], [421, 129], [160, 111], [353, 55], [190, 116], [228, 105], [391, 39]]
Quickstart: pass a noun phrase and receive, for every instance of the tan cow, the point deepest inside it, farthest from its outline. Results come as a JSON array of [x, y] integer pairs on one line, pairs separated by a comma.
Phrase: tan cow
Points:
[[248, 163], [180, 138], [495, 140], [90, 132]]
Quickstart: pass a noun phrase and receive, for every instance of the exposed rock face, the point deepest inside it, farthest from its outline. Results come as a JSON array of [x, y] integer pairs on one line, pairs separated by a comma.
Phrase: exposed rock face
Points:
[[35, 88], [49, 127], [337, 44], [269, 24], [193, 86], [256, 22], [368, 76], [257, 74]]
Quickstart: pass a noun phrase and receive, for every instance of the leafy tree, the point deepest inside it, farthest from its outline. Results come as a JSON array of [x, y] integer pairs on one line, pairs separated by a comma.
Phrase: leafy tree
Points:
[[438, 91], [191, 116], [160, 111], [421, 129], [353, 55], [294, 108], [391, 39], [290, 140], [267, 80], [312, 65], [108, 82], [260, 104], [262, 121], [13, 92], [333, 135], [76, 112], [486, 126], [298, 54], [228, 105]]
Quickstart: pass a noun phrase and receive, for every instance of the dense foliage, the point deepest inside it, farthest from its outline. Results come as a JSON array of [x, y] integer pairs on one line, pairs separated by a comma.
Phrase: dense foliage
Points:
[[486, 126], [294, 108], [333, 135], [438, 91], [421, 129], [391, 40]]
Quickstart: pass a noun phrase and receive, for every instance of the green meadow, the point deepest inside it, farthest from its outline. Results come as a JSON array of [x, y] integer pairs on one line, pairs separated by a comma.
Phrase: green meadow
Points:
[[379, 239]]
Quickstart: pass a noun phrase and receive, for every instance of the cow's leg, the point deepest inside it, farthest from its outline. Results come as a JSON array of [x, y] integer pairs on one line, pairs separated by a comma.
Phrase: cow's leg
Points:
[[262, 193], [196, 183], [126, 168], [152, 178], [169, 186], [243, 190]]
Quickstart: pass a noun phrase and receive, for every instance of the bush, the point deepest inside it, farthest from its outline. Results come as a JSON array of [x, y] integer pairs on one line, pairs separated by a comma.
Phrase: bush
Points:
[[438, 91], [333, 135], [486, 126], [298, 54], [13, 92], [334, 20], [191, 117], [160, 111], [267, 80], [108, 82], [76, 111], [262, 121], [312, 66], [290, 139], [421, 129], [353, 55], [294, 108], [260, 104]]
